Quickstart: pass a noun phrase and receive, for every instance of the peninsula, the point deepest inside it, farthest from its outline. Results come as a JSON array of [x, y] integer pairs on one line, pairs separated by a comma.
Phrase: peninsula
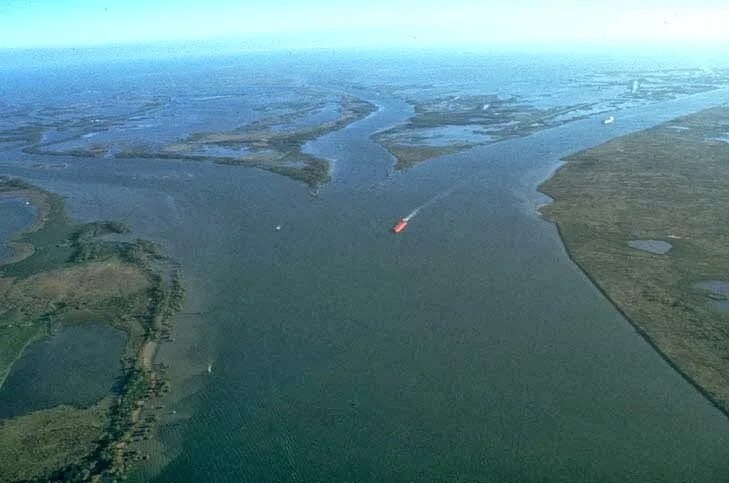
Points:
[[646, 217]]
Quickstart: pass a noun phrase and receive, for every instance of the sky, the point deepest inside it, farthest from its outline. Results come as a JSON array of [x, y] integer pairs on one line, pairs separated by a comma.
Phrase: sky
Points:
[[288, 24]]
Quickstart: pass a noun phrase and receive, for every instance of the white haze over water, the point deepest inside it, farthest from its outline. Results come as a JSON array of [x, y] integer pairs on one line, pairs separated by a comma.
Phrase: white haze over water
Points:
[[289, 24]]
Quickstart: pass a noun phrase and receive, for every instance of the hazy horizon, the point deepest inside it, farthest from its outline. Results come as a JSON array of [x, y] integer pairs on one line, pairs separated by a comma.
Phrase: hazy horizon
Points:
[[287, 25]]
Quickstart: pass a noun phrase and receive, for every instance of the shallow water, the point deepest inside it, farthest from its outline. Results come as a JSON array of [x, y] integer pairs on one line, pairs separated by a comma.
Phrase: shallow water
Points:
[[656, 247], [715, 286], [469, 348], [445, 136], [720, 305], [720, 289], [77, 366], [15, 215]]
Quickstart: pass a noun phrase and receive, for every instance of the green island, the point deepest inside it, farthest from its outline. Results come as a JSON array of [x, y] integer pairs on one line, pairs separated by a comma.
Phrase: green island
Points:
[[450, 124], [71, 275], [274, 143], [646, 217], [263, 144]]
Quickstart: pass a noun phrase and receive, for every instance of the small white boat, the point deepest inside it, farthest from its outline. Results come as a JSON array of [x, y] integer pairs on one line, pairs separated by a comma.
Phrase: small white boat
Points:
[[608, 120]]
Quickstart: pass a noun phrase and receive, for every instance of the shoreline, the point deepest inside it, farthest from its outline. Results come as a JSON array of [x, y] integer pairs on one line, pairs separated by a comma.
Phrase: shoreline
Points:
[[143, 302], [42, 205], [567, 186], [638, 329], [21, 250], [186, 377]]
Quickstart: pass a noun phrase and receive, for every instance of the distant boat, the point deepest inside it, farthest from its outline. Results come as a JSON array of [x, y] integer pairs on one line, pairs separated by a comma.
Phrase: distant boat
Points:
[[608, 120], [400, 226], [278, 227], [210, 368]]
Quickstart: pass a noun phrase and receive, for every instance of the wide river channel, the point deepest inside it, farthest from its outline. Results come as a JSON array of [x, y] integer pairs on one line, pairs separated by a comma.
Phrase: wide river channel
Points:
[[468, 349]]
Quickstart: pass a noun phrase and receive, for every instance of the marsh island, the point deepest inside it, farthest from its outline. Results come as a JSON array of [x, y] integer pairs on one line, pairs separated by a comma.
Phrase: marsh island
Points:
[[264, 137], [83, 283], [445, 123], [274, 143], [450, 124]]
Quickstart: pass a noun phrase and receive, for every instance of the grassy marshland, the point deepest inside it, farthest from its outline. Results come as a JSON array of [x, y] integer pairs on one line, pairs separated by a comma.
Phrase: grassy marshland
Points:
[[263, 146], [71, 276], [668, 183]]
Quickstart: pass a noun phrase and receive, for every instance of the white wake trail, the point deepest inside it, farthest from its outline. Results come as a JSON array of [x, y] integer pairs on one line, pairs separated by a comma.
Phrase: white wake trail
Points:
[[432, 200]]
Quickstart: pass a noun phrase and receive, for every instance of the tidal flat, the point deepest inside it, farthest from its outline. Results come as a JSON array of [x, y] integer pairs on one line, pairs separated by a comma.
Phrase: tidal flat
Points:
[[273, 143], [265, 137], [70, 282], [662, 184], [485, 118]]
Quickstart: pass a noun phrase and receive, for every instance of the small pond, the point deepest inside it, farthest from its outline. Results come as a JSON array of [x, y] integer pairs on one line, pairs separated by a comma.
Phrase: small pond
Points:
[[718, 294], [77, 366], [657, 247], [15, 215]]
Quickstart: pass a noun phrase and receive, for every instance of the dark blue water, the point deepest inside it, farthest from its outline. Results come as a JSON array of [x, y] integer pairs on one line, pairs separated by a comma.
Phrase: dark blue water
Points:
[[468, 349]]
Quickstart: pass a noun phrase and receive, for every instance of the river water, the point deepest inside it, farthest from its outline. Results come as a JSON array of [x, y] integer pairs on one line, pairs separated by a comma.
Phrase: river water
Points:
[[468, 349]]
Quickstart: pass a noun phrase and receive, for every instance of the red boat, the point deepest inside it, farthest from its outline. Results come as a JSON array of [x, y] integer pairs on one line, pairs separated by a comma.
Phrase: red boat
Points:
[[400, 226]]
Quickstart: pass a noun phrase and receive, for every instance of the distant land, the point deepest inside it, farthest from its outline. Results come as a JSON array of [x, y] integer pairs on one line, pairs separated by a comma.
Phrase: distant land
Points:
[[445, 124], [273, 142]]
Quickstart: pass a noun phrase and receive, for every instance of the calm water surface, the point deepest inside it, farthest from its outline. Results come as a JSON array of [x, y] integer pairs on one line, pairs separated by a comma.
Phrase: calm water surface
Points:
[[468, 349], [77, 366], [15, 215]]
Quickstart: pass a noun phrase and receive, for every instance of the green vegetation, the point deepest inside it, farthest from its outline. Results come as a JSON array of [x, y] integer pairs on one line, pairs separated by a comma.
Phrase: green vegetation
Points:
[[489, 118], [408, 156], [273, 143], [262, 145], [49, 444], [74, 276], [668, 183]]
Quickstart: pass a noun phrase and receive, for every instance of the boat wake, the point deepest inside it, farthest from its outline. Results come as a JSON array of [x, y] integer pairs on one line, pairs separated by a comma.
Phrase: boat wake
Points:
[[434, 199]]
